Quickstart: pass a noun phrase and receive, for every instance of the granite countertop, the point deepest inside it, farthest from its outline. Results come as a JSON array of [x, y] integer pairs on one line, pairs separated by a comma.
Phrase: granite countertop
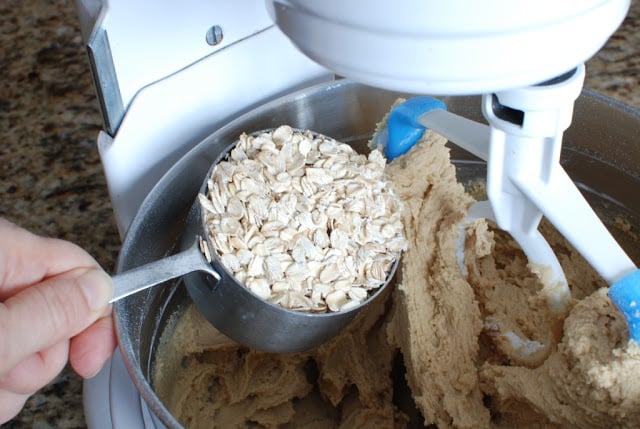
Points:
[[51, 176]]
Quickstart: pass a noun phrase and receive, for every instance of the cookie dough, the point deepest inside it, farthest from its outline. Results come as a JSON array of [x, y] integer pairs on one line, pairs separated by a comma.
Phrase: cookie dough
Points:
[[208, 381], [480, 350]]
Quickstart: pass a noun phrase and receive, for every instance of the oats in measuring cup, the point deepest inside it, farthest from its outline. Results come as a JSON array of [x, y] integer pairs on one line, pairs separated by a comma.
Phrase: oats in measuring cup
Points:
[[302, 220]]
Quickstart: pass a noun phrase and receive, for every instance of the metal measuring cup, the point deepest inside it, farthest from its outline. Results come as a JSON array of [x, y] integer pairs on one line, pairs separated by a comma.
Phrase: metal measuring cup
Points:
[[230, 306]]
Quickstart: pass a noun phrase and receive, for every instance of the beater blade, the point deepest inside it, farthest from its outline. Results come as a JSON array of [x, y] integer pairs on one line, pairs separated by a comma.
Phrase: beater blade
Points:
[[525, 180]]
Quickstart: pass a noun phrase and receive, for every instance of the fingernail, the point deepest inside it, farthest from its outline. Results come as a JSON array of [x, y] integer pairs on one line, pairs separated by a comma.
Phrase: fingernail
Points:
[[97, 288]]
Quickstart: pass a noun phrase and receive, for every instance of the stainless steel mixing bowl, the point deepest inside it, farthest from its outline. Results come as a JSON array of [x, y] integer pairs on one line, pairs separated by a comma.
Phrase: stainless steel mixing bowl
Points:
[[601, 153]]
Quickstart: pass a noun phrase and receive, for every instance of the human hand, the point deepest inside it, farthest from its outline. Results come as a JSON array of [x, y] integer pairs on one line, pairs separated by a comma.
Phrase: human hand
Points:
[[53, 308]]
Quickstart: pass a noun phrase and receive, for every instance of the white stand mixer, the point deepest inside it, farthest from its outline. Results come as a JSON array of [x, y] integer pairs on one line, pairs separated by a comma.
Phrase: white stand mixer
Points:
[[165, 70]]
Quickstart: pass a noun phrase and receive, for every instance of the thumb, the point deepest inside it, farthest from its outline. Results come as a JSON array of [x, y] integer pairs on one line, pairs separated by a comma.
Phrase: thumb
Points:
[[51, 311]]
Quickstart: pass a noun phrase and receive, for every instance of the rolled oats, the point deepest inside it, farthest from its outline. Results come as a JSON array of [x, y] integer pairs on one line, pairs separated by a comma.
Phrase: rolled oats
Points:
[[303, 220]]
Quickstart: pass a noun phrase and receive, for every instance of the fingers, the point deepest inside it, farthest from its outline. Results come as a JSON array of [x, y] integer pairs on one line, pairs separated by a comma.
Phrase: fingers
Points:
[[91, 348], [27, 259], [87, 352], [10, 405], [49, 312], [30, 375], [51, 291], [36, 370]]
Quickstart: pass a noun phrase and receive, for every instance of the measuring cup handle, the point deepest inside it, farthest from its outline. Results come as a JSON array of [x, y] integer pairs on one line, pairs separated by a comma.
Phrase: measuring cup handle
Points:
[[154, 273]]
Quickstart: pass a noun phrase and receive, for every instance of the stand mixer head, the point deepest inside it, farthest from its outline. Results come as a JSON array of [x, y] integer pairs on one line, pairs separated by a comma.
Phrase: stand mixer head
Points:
[[456, 47]]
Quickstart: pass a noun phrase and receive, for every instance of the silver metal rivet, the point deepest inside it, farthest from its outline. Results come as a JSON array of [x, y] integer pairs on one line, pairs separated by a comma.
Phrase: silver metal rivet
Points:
[[214, 35]]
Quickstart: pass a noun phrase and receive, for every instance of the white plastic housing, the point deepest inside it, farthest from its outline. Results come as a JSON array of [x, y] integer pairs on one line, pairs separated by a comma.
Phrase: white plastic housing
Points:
[[164, 88], [451, 47]]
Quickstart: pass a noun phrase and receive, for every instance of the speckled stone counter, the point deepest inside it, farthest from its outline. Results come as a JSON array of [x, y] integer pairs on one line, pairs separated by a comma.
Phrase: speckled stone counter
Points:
[[50, 173], [51, 178]]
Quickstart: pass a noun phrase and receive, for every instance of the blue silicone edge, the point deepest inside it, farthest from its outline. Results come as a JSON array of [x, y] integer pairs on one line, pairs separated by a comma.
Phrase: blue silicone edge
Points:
[[625, 294], [404, 129]]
